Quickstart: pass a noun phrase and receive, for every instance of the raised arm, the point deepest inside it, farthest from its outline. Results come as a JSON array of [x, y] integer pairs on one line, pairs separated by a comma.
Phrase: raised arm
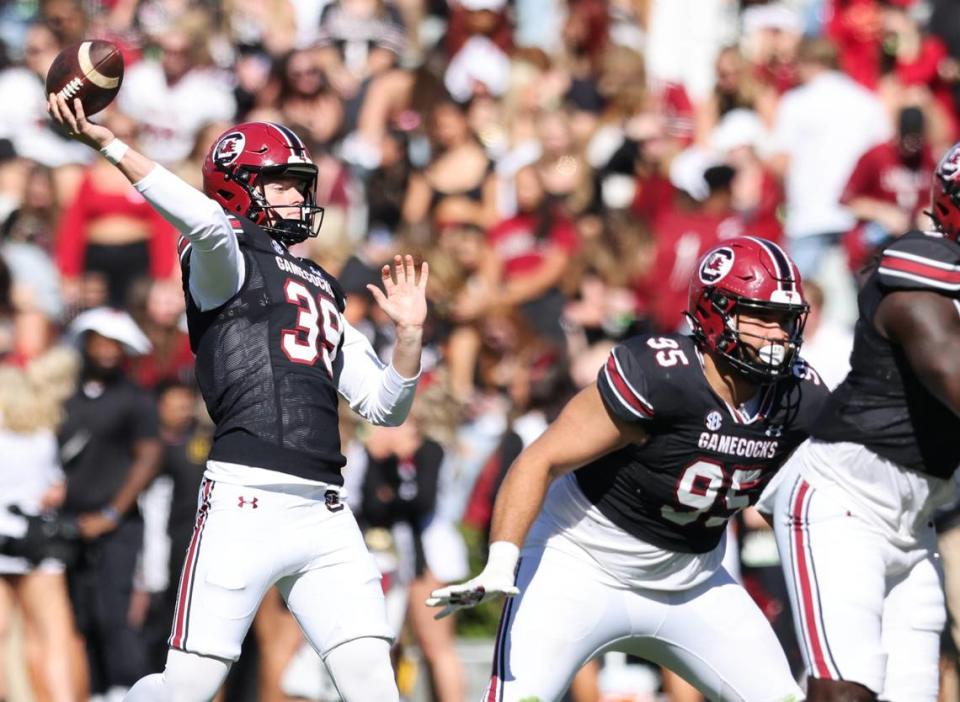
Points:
[[217, 267], [373, 389], [926, 325], [383, 394]]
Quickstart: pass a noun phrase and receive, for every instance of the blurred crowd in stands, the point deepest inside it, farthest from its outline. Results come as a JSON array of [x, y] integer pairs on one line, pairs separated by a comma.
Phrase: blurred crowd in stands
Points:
[[561, 164]]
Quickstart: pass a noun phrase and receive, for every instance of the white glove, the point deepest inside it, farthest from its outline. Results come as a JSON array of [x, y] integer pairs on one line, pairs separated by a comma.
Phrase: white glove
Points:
[[497, 578]]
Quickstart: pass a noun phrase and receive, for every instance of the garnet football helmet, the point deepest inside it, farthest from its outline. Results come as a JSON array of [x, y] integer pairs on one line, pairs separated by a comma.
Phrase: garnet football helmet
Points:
[[945, 194], [747, 275], [234, 168]]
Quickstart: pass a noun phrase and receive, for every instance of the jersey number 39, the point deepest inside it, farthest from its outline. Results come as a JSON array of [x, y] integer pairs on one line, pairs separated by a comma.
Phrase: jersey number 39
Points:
[[318, 329]]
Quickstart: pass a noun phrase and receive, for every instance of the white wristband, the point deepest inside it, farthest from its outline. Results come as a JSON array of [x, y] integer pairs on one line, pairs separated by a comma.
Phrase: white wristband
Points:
[[503, 558], [114, 151]]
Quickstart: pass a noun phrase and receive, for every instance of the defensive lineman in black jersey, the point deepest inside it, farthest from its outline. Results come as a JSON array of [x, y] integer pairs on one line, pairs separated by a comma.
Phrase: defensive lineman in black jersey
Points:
[[637, 479], [273, 353], [853, 519]]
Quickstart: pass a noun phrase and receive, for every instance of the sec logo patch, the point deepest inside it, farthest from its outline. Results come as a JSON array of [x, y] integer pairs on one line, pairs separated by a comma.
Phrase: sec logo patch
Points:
[[716, 266], [713, 420]]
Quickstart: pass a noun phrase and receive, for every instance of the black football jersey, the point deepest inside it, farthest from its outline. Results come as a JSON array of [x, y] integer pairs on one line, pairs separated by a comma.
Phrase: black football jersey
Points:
[[268, 361], [881, 404], [704, 460]]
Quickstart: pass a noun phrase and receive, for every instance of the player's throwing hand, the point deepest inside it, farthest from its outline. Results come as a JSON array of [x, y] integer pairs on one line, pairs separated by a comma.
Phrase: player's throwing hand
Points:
[[75, 123]]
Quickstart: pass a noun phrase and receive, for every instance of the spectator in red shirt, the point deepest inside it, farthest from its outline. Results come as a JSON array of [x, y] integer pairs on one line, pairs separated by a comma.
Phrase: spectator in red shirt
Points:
[[109, 233], [534, 248], [681, 234], [856, 29], [913, 58], [877, 38], [889, 188]]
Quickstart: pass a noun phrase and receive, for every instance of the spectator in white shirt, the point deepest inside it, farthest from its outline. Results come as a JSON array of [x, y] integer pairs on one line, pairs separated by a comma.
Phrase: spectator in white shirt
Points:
[[822, 129], [173, 98]]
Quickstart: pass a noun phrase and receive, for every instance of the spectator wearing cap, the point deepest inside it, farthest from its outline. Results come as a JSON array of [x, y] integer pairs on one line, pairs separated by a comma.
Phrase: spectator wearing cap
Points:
[[110, 449], [889, 188], [822, 129], [479, 68]]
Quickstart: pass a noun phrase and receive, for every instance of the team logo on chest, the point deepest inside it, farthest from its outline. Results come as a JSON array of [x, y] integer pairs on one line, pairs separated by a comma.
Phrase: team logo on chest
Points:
[[277, 246], [716, 266], [713, 421]]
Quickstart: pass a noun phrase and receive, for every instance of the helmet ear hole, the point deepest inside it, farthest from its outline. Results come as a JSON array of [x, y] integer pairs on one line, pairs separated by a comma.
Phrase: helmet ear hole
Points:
[[225, 194]]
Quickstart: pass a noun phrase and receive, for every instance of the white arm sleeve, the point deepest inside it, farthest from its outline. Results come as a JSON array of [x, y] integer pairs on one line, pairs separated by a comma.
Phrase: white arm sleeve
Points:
[[373, 389], [217, 267]]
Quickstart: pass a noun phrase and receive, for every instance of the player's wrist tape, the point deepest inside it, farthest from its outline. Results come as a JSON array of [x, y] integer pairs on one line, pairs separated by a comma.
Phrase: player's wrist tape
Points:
[[503, 558], [114, 151], [111, 513]]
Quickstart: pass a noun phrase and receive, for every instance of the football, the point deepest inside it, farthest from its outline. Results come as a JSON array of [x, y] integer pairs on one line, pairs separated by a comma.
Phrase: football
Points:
[[91, 70]]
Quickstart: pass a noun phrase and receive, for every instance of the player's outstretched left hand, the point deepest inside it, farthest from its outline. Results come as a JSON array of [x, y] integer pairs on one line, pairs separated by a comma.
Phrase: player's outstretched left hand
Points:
[[469, 594], [405, 299], [497, 578]]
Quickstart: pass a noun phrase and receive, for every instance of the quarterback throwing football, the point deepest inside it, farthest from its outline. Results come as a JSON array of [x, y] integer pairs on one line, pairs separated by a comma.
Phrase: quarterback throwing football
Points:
[[273, 352], [634, 484]]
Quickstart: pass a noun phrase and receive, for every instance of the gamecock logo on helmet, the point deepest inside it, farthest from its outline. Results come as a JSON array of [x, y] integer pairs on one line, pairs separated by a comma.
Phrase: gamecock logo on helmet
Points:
[[716, 266], [229, 148]]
